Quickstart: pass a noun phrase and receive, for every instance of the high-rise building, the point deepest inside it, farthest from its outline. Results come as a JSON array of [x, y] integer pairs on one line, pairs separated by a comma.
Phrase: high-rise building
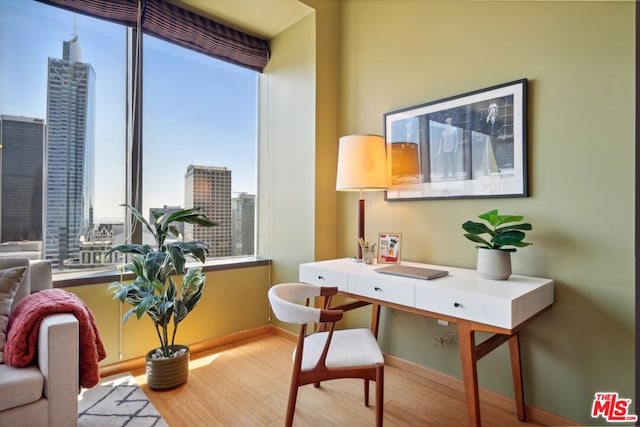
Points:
[[22, 142], [243, 210], [209, 188], [69, 161]]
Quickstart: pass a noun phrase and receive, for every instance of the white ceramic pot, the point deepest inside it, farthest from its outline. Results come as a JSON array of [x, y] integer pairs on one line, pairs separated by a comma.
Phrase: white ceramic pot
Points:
[[494, 264]]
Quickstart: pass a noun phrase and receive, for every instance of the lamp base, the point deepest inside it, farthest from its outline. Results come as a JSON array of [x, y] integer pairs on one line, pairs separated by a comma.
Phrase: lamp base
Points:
[[360, 225]]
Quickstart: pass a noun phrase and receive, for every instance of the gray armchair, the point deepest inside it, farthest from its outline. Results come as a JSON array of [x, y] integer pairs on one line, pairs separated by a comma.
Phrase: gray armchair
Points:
[[46, 393]]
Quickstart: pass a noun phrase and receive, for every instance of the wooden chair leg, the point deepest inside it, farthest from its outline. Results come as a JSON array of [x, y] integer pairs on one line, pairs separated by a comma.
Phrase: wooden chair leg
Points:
[[366, 393], [379, 394], [291, 406]]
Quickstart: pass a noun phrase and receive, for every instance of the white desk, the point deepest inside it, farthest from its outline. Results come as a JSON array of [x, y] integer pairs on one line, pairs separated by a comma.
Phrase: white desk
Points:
[[462, 297]]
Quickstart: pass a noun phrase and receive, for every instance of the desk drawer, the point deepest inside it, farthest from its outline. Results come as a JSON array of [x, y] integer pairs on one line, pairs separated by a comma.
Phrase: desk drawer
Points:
[[323, 277], [399, 292], [465, 305]]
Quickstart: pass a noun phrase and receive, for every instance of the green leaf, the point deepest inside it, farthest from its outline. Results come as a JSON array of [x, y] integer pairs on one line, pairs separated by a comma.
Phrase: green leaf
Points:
[[513, 238], [171, 290], [478, 239], [145, 305], [156, 214], [158, 266], [130, 249], [138, 216], [181, 311], [504, 219], [165, 311], [525, 226], [476, 228], [173, 230], [119, 293], [521, 244], [190, 216], [192, 283], [128, 314], [176, 253], [195, 249], [193, 299], [487, 215]]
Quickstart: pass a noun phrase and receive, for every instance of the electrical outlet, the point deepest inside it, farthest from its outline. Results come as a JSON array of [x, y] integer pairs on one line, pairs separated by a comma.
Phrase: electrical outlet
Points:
[[445, 340]]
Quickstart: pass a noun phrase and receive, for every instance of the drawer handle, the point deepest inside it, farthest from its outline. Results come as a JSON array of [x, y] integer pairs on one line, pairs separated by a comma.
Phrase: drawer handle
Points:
[[320, 277], [456, 305], [377, 289]]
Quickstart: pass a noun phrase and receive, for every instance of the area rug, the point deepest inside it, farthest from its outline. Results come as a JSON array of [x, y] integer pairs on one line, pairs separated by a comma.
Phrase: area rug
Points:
[[117, 401]]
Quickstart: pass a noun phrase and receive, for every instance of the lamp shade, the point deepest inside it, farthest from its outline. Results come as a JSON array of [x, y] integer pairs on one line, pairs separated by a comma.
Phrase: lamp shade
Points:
[[362, 163]]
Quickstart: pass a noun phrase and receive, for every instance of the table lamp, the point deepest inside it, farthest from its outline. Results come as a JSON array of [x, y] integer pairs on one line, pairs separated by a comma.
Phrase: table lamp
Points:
[[362, 166]]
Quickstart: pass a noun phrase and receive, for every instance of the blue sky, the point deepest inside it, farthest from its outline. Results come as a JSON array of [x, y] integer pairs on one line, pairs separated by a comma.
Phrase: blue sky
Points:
[[197, 110]]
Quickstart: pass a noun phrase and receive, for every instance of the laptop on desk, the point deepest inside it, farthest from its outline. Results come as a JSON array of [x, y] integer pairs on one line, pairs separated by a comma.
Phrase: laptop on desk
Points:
[[413, 272]]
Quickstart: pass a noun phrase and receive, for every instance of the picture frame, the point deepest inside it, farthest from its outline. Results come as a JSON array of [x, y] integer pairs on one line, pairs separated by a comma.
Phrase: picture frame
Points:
[[389, 245], [472, 145]]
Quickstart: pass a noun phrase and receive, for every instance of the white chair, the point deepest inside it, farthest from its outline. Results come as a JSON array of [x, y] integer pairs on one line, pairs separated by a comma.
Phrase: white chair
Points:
[[326, 354]]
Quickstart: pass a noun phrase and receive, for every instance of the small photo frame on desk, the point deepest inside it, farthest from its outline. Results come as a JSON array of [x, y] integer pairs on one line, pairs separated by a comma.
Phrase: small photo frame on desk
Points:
[[389, 245]]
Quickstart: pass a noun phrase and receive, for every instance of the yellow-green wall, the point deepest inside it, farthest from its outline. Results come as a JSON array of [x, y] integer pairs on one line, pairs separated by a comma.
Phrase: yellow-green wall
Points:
[[336, 72], [233, 301], [579, 59], [286, 151]]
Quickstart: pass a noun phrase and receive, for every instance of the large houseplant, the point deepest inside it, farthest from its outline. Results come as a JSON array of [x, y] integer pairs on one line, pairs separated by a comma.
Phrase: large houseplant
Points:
[[154, 291], [503, 237]]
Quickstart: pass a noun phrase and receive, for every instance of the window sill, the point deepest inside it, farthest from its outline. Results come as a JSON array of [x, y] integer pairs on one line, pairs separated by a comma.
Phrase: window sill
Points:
[[92, 277]]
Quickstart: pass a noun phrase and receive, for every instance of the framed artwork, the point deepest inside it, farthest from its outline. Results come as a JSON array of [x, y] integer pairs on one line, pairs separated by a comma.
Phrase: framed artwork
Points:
[[389, 245], [467, 146]]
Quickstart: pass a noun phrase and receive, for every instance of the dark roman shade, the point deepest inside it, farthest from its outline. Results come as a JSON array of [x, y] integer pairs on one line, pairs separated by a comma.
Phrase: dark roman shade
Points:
[[182, 27]]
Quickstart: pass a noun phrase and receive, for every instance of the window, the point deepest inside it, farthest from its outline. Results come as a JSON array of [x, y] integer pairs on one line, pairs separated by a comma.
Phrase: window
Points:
[[200, 133], [63, 122]]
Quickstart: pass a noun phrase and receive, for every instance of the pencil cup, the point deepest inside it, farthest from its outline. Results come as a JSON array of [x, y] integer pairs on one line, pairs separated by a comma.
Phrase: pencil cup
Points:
[[368, 255]]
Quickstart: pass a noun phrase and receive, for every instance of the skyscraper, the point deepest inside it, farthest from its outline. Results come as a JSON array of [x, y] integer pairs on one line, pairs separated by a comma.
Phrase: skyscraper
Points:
[[22, 142], [69, 161], [243, 210], [209, 188]]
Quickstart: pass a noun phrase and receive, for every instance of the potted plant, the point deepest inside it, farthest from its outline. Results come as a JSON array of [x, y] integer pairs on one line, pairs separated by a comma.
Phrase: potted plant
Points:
[[155, 293], [504, 237]]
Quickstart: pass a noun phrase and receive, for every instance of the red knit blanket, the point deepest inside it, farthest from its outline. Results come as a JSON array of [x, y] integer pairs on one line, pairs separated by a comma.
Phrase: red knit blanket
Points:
[[24, 324]]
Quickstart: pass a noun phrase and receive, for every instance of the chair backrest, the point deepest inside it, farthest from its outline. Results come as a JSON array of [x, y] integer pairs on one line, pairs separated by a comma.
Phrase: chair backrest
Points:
[[288, 301]]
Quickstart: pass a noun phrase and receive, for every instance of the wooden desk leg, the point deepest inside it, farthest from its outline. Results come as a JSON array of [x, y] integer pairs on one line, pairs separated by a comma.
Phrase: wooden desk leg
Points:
[[466, 340], [516, 371], [375, 319]]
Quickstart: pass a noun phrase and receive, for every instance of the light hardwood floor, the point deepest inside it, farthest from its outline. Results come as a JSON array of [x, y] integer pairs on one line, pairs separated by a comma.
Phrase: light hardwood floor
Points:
[[248, 385]]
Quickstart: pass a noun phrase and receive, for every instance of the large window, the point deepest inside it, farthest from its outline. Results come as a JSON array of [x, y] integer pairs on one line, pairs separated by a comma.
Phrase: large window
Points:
[[63, 130], [199, 141]]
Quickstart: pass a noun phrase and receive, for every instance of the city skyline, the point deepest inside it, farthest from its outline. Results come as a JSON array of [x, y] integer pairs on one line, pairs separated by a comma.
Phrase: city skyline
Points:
[[196, 108]]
